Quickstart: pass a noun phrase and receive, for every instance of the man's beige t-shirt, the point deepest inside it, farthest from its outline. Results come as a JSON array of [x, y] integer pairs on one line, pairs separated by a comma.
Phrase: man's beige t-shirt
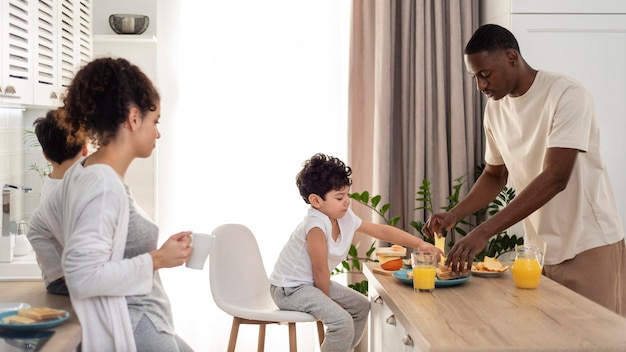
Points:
[[556, 112]]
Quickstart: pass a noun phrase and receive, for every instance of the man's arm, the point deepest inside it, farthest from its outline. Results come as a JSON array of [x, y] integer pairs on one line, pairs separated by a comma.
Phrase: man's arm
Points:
[[486, 188], [557, 168]]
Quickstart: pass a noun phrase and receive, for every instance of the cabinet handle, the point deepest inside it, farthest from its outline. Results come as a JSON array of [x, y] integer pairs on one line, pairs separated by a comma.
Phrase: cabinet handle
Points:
[[407, 340], [391, 320], [9, 90], [378, 300], [53, 95]]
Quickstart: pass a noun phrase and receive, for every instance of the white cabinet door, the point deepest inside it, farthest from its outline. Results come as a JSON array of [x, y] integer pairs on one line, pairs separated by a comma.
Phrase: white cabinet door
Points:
[[16, 76], [75, 43], [386, 331], [376, 319], [45, 32], [592, 49], [568, 6]]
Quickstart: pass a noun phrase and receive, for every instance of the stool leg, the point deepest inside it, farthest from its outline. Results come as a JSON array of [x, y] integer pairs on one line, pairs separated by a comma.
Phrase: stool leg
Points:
[[320, 331], [261, 343], [293, 344], [234, 330]]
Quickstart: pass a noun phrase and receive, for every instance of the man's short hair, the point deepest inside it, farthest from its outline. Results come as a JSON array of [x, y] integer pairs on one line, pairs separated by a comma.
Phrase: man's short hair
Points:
[[491, 38]]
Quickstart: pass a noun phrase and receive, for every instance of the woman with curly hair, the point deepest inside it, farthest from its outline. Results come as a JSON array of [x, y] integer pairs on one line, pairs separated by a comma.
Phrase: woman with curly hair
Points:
[[110, 258]]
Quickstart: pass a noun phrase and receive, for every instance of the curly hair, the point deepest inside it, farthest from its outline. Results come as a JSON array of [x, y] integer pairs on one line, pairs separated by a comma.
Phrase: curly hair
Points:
[[100, 96], [491, 38], [52, 136], [321, 174]]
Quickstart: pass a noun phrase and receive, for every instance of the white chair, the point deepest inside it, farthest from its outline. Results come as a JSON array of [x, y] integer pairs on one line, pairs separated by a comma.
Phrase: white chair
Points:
[[241, 288]]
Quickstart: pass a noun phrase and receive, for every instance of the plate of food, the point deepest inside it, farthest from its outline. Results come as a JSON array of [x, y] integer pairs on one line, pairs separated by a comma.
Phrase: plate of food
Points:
[[33, 318], [489, 267], [406, 276], [391, 258]]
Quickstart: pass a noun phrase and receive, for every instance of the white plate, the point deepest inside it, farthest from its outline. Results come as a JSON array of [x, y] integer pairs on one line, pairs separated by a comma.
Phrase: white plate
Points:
[[7, 306], [487, 273]]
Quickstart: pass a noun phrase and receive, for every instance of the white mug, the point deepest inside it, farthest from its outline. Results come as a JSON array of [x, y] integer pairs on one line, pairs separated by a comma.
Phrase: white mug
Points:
[[201, 244]]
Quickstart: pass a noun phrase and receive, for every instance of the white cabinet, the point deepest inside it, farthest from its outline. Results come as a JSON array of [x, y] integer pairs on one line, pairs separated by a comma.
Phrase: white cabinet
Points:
[[16, 76], [386, 331], [43, 44], [63, 43], [591, 47]]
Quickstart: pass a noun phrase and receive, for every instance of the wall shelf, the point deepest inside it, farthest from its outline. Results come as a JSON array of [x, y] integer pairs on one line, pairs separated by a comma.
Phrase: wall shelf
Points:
[[123, 38]]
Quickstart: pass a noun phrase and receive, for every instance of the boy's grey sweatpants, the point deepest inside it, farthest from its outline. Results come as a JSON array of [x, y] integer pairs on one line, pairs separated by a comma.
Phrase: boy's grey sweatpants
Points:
[[344, 313]]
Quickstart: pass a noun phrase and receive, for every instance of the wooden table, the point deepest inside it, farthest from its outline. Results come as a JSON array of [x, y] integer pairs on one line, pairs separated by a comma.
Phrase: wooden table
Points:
[[67, 336], [490, 314]]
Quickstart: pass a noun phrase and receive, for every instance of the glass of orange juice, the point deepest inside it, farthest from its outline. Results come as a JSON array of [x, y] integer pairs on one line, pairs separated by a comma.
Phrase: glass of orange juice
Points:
[[424, 270]]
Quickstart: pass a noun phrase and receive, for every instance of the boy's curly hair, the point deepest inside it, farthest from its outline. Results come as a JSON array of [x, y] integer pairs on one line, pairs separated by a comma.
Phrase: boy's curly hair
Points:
[[101, 95], [321, 174]]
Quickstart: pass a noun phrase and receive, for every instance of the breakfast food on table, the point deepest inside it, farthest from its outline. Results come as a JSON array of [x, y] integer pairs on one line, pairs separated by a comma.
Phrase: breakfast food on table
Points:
[[18, 319], [390, 258], [490, 265], [440, 242], [34, 315], [445, 273]]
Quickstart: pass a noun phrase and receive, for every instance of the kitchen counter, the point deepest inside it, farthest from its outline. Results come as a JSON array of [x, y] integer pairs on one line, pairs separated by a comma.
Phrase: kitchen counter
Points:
[[491, 314], [66, 336], [22, 268]]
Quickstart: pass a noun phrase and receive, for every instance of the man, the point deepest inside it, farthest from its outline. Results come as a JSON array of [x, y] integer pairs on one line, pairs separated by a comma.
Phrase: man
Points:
[[542, 132]]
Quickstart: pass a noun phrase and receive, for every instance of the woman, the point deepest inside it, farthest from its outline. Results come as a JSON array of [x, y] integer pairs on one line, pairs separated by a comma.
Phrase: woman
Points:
[[110, 257]]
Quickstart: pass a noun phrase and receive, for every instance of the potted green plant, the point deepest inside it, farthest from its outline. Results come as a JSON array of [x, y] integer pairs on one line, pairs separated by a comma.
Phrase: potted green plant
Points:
[[31, 142]]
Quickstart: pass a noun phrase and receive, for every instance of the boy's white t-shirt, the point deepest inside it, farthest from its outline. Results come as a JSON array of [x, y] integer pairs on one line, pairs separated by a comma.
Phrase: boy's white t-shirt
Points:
[[48, 186], [556, 112], [293, 267]]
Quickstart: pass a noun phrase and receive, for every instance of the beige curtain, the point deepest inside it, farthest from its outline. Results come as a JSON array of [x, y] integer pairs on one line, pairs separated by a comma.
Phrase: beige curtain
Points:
[[414, 112]]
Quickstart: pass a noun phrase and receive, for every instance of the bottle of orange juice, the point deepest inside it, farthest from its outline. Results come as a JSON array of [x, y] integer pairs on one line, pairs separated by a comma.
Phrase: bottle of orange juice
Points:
[[526, 269]]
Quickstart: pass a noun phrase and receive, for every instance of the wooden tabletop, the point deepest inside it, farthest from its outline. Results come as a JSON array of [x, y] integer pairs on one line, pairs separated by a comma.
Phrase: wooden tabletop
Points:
[[66, 336], [490, 314]]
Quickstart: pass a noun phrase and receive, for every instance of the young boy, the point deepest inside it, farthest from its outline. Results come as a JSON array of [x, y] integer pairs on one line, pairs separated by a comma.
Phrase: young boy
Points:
[[61, 154], [301, 277]]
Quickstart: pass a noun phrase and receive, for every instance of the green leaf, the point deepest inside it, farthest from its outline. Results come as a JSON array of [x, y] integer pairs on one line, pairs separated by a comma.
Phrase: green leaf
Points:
[[352, 251], [356, 264], [371, 249], [375, 201]]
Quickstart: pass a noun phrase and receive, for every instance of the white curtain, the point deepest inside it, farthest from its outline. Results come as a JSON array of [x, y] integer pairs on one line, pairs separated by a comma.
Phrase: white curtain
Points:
[[250, 89]]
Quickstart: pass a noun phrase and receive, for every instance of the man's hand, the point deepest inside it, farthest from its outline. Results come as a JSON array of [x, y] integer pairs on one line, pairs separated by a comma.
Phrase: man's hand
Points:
[[438, 223]]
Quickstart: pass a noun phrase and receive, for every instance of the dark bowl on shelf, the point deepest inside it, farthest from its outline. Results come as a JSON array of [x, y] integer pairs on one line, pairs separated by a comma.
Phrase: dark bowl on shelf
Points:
[[129, 24]]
